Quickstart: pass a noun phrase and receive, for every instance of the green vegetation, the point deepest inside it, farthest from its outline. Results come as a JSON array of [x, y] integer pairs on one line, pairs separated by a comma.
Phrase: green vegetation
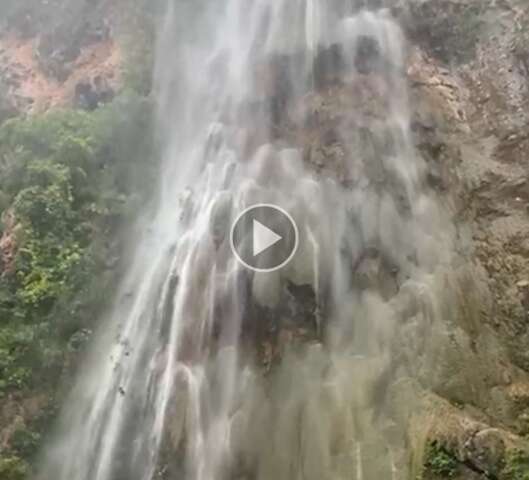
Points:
[[516, 465], [68, 182], [440, 462], [69, 177], [140, 21], [13, 468], [24, 443]]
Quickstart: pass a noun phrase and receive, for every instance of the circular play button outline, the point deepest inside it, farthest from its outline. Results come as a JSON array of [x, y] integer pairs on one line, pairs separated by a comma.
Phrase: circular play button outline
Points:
[[287, 216]]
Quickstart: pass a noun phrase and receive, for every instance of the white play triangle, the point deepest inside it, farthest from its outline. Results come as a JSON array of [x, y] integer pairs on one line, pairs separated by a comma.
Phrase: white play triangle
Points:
[[263, 238]]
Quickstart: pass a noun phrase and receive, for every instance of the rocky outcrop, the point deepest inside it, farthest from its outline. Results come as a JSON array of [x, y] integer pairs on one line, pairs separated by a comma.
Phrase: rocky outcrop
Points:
[[91, 79], [469, 447], [470, 88], [69, 56]]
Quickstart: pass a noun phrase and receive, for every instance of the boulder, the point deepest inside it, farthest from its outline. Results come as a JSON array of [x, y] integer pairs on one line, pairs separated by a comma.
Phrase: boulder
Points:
[[90, 94]]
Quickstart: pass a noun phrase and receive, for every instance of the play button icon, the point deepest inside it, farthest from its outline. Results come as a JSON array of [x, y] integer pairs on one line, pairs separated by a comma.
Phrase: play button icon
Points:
[[264, 237]]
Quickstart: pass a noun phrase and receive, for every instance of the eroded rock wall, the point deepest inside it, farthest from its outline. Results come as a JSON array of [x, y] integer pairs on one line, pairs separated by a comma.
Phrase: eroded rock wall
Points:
[[470, 85]]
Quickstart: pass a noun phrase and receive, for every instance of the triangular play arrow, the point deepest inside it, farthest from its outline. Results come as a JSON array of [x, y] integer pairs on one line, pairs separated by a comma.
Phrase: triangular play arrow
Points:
[[263, 238]]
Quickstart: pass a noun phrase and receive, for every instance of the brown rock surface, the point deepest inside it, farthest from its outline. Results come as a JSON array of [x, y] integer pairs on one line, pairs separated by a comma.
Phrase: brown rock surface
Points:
[[34, 90]]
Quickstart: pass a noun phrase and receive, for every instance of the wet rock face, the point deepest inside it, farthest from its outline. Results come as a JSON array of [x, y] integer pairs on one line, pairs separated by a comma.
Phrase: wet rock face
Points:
[[329, 66], [292, 323], [367, 55], [470, 88], [485, 451]]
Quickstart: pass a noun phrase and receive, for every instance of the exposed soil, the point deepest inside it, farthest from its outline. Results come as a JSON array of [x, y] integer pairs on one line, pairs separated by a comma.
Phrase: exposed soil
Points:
[[33, 90]]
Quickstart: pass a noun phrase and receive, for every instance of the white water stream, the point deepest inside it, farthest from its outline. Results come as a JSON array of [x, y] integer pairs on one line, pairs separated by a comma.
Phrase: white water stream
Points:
[[220, 373]]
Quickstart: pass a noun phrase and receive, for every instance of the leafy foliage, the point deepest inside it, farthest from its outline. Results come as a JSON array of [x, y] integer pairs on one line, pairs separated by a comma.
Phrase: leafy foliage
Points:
[[440, 462], [25, 442], [68, 181], [69, 178], [137, 34], [13, 468], [516, 465]]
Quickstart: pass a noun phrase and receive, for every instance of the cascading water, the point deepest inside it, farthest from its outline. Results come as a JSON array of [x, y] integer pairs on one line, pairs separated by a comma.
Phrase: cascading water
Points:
[[219, 372]]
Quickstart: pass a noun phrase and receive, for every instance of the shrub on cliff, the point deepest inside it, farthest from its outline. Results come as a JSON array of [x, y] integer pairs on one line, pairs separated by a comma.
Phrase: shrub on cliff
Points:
[[69, 178]]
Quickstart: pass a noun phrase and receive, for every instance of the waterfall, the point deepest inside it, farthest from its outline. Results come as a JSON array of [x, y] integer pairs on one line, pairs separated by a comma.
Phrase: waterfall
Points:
[[206, 370]]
